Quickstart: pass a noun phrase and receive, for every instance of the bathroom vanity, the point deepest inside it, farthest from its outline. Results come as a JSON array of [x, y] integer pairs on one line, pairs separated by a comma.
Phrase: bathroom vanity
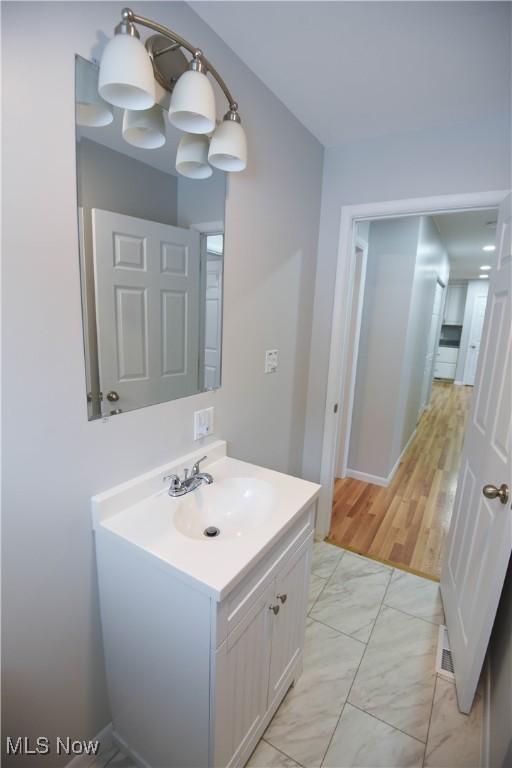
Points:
[[203, 635]]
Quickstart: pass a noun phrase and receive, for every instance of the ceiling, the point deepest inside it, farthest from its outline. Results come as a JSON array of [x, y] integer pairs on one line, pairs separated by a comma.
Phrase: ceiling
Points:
[[355, 70], [464, 235]]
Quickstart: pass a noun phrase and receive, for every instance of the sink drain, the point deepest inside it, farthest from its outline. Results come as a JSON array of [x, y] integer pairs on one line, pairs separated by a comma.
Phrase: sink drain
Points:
[[211, 531]]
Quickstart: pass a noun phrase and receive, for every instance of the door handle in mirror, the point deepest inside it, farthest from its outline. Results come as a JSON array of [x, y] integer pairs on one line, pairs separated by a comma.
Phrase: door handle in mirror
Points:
[[274, 608], [492, 492], [282, 598]]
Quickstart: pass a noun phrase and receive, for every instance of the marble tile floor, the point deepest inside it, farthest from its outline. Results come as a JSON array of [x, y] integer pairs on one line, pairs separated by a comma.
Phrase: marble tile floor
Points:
[[369, 696]]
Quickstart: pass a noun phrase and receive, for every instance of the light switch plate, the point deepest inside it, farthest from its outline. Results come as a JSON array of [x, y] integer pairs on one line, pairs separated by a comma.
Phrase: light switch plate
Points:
[[203, 423], [271, 360]]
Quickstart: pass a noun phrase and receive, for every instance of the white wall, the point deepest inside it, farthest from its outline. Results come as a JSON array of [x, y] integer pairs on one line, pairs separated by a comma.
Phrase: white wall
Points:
[[461, 158], [475, 288], [53, 677]]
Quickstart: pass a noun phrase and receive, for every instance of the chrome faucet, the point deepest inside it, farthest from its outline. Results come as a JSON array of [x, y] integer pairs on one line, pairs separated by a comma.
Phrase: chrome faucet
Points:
[[179, 487]]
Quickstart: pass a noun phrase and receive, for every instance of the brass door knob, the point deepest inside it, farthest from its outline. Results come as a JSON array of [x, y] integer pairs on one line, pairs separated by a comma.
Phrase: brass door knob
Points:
[[492, 492], [112, 396]]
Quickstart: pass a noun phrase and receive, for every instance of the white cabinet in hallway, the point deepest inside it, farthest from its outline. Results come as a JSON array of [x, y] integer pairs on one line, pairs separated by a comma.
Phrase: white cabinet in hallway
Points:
[[446, 363], [455, 304]]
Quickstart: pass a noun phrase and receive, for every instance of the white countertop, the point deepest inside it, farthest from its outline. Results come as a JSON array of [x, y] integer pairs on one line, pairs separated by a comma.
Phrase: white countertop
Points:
[[141, 512]]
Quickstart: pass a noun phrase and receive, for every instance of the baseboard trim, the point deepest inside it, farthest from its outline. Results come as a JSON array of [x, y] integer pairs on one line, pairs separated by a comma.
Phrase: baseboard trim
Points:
[[127, 750], [107, 743], [485, 752], [373, 479], [399, 460], [377, 479]]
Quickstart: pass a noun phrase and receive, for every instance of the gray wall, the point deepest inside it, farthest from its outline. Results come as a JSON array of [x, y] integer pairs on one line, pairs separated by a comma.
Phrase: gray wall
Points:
[[53, 676], [431, 262], [405, 258], [390, 266], [198, 199], [116, 182]]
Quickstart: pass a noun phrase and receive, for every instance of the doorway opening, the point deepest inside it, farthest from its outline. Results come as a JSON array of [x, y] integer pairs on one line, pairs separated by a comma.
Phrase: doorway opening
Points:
[[419, 297]]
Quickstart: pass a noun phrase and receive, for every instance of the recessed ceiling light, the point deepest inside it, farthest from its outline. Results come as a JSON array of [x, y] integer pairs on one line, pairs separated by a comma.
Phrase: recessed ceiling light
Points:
[[483, 277], [489, 248], [485, 267]]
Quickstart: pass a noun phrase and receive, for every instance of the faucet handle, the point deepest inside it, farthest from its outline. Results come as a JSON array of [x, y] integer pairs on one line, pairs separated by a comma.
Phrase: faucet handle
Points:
[[195, 468], [175, 482]]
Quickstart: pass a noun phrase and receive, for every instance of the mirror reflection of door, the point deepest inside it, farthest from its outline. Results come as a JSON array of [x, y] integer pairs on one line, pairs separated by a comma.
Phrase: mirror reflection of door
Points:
[[147, 309], [213, 311]]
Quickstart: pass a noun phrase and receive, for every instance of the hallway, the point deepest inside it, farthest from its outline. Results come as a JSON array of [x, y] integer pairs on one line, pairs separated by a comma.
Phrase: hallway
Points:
[[406, 524]]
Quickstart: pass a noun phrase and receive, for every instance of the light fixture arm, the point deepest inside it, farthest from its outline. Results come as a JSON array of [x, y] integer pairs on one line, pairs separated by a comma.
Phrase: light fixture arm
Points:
[[129, 17]]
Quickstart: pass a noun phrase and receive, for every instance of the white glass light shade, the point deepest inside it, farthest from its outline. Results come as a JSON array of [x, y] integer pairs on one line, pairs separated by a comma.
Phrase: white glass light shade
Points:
[[91, 110], [193, 103], [192, 156], [126, 74], [144, 128], [228, 147]]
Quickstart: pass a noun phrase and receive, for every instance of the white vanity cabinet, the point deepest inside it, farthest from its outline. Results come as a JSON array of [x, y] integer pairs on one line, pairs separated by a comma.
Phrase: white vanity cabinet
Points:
[[196, 670], [259, 659]]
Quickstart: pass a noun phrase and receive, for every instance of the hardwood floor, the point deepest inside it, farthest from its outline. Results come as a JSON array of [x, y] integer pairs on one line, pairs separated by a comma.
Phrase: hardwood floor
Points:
[[406, 524]]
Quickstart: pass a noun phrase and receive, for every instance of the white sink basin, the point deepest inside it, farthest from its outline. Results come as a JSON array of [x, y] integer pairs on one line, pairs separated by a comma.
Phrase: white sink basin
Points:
[[251, 506], [233, 506]]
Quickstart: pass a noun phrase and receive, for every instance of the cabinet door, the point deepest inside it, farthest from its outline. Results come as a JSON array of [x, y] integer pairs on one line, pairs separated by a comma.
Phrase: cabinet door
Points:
[[241, 672], [288, 624], [445, 370], [455, 303]]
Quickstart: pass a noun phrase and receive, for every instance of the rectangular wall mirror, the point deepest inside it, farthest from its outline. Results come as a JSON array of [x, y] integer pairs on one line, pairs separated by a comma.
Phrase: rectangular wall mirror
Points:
[[151, 245]]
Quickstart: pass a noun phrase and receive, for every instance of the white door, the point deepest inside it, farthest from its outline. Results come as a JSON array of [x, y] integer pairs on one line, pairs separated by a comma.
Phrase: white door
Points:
[[288, 623], [213, 322], [480, 538], [433, 340], [475, 336], [147, 309]]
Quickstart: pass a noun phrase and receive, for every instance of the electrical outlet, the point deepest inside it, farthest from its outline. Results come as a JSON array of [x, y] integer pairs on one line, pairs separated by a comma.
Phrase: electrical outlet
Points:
[[271, 360], [203, 423]]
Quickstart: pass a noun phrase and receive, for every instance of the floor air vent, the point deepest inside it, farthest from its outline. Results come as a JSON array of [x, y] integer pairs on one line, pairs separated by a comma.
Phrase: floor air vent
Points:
[[444, 660]]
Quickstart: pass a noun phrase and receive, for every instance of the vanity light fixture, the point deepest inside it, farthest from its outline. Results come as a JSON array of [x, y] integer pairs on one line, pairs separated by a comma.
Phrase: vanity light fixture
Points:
[[483, 277], [128, 71], [485, 267], [489, 248], [91, 110], [192, 156], [144, 128]]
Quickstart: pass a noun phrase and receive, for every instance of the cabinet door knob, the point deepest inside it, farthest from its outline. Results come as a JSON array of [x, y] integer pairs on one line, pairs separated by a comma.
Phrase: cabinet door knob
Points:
[[282, 598], [274, 608]]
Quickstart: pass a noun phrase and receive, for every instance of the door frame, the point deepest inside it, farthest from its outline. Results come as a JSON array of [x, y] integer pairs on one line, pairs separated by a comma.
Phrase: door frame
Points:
[[347, 403], [341, 348]]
